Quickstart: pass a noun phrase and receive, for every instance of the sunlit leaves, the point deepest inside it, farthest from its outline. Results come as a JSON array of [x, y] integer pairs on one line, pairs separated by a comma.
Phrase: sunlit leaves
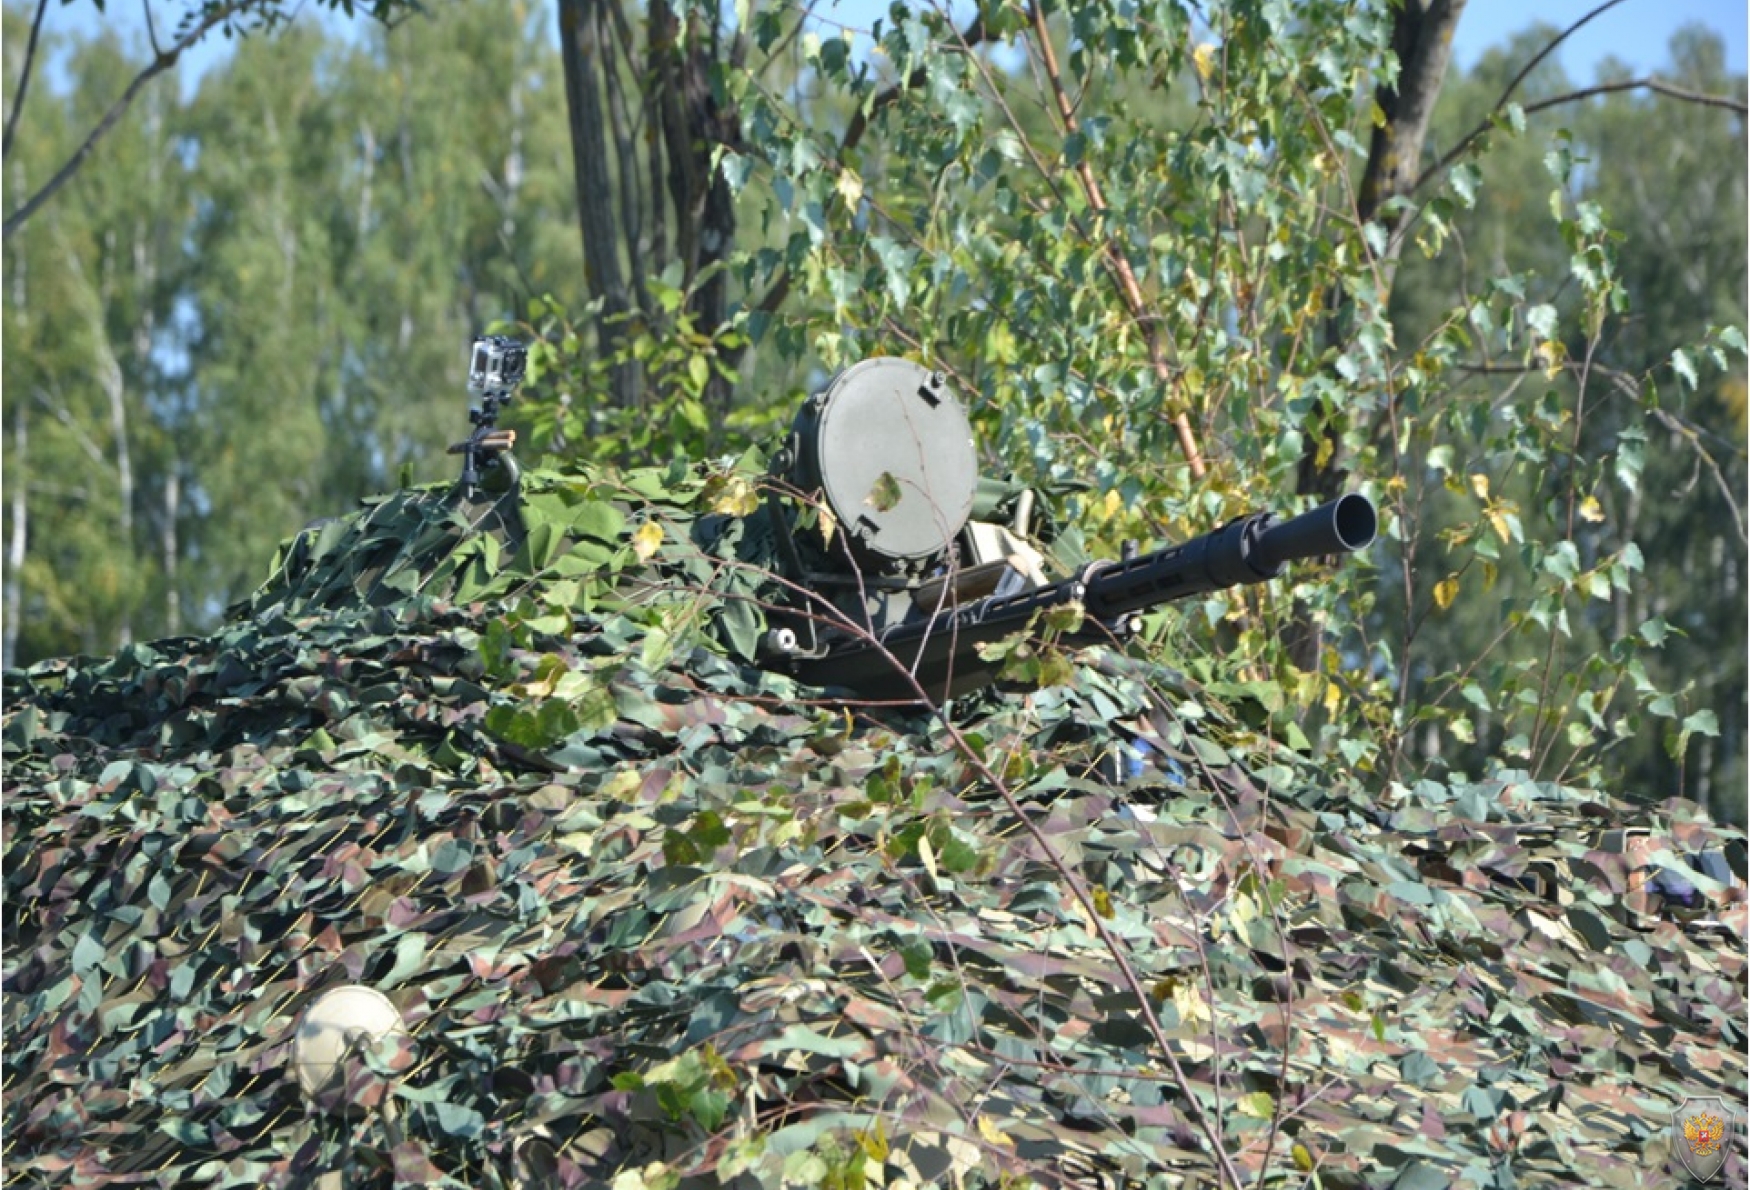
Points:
[[647, 539]]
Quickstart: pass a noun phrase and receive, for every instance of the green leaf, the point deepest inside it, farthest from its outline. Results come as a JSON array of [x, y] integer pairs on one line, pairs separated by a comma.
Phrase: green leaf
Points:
[[1705, 722], [1628, 455], [1256, 1104], [896, 263], [599, 520], [884, 493], [709, 1106], [918, 956], [1685, 369]]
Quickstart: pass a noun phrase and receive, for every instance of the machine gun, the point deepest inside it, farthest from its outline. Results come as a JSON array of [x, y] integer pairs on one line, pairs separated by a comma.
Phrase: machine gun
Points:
[[496, 364], [885, 456]]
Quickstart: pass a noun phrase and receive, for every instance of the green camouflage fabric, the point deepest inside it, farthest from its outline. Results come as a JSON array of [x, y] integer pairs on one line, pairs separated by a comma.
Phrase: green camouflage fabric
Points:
[[655, 918]]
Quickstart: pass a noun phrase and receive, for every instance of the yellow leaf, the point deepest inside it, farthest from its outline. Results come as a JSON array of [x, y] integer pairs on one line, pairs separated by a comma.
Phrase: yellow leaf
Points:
[[1333, 697], [1445, 591], [874, 1142], [646, 540], [1498, 522], [1204, 59], [1303, 1158], [1258, 1105], [992, 1133], [1379, 116], [850, 188], [927, 853], [1102, 902], [1327, 447], [731, 495], [1480, 485], [828, 526], [1551, 353], [1490, 573], [1591, 510], [1190, 1003]]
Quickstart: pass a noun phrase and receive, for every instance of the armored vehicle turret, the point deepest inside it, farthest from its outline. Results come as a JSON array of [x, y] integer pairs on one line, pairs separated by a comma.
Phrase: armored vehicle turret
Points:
[[894, 601], [533, 830]]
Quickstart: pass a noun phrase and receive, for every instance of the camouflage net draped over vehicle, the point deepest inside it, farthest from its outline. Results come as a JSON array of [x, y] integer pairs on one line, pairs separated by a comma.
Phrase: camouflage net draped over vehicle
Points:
[[639, 903]]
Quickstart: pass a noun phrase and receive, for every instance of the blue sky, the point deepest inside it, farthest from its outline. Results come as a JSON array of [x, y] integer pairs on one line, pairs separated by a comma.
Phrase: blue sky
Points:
[[1636, 31]]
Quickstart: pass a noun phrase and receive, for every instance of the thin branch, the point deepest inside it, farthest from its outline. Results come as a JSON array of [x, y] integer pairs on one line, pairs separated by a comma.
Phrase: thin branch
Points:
[[1693, 437], [151, 29], [1440, 166], [158, 66], [1651, 83], [23, 79], [1549, 49], [1129, 290]]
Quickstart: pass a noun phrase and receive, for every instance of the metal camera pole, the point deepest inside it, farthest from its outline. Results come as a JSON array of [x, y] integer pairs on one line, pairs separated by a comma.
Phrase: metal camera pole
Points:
[[496, 365]]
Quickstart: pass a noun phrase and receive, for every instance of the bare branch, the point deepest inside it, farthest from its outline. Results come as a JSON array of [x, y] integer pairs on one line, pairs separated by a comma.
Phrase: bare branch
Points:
[[163, 62], [1549, 49], [151, 29], [1688, 434], [1649, 83], [23, 79]]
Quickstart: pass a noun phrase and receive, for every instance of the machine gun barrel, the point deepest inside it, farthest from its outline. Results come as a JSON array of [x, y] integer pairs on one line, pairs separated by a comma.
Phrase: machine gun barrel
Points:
[[1251, 549], [941, 650]]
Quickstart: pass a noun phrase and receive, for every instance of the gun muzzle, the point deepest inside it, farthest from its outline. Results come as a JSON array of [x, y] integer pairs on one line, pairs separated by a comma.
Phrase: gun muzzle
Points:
[[1252, 549], [1343, 526]]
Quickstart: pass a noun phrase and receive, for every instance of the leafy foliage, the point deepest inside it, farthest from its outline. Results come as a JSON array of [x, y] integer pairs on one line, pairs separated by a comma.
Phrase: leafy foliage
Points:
[[1196, 913], [1502, 405], [653, 916]]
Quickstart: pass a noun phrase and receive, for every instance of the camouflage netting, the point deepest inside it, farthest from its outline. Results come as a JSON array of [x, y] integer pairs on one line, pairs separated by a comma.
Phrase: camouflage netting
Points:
[[639, 903]]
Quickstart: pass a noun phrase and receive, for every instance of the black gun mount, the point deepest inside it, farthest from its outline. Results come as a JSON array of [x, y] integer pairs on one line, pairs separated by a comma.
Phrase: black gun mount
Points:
[[884, 456], [496, 365]]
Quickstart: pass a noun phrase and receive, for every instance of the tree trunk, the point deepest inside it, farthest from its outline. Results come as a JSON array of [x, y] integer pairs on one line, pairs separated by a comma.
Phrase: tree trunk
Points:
[[1422, 40], [109, 376], [693, 127], [172, 551], [107, 371], [580, 49], [18, 540], [626, 153]]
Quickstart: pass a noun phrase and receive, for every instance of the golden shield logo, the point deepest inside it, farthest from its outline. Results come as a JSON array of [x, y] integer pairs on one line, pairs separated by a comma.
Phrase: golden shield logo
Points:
[[1701, 1135]]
